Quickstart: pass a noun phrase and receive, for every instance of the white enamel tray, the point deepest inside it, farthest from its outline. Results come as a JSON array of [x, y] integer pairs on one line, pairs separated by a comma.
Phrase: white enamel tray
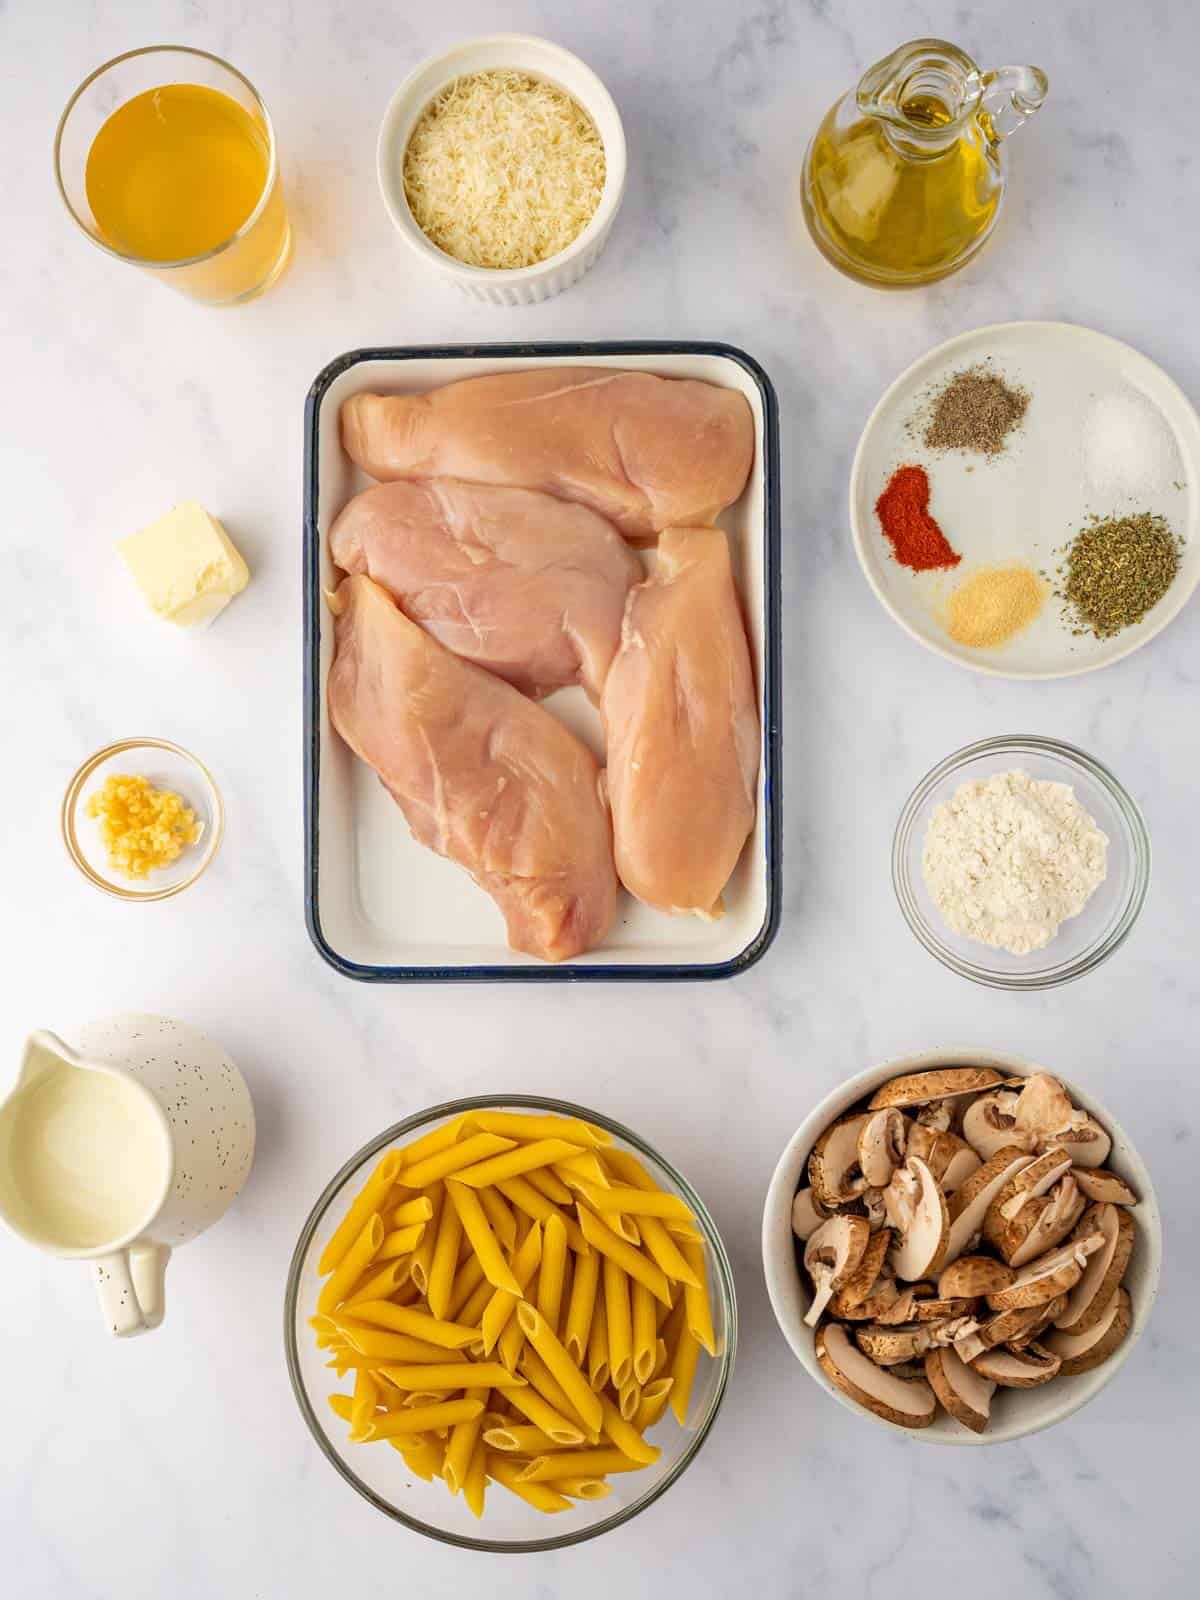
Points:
[[1106, 432], [380, 907]]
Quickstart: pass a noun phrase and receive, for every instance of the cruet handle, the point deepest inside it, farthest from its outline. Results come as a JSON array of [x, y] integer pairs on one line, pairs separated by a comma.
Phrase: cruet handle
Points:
[[1011, 95]]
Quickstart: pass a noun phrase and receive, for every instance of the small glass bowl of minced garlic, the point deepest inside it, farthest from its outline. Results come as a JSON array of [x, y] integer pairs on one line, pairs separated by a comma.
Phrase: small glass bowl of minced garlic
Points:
[[142, 819]]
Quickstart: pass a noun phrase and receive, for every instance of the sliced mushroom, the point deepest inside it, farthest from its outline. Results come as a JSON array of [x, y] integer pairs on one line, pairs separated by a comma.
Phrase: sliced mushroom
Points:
[[1015, 1211], [881, 1146], [965, 1392], [908, 1403], [885, 1346], [1098, 1183], [990, 1125], [919, 1088], [877, 1306], [916, 1210], [1018, 1328], [909, 1369], [1049, 1276], [1045, 1109], [1018, 1369], [1044, 1221], [949, 1158], [945, 1309], [969, 1205], [871, 1201], [1089, 1297], [808, 1214], [936, 1116], [831, 1256], [833, 1169], [973, 1276], [858, 1285], [1080, 1352]]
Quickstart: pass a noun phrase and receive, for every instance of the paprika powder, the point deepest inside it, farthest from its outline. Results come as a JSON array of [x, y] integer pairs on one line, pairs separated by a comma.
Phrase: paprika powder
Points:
[[903, 512]]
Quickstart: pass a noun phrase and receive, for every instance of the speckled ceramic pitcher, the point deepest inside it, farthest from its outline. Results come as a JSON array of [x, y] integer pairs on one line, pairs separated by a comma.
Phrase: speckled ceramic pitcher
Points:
[[119, 1149]]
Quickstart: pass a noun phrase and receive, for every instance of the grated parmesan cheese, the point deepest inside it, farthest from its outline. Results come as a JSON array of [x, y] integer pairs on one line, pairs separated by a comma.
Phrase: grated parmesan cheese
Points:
[[503, 170]]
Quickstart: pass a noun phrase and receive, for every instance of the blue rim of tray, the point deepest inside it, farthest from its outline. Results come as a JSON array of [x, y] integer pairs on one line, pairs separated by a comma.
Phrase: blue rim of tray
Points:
[[539, 972]]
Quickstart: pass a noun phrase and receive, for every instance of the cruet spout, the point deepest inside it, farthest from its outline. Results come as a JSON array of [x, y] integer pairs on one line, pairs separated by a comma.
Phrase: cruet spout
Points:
[[1011, 96]]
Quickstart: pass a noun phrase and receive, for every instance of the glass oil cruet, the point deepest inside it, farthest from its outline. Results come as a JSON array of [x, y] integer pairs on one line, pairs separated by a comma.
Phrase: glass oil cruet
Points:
[[904, 178]]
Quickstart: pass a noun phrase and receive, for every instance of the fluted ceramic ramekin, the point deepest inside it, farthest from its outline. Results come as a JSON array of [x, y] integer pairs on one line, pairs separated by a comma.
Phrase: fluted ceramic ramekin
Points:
[[539, 59]]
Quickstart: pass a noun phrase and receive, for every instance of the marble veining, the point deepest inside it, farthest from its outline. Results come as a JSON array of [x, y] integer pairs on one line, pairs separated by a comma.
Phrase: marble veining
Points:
[[178, 1463]]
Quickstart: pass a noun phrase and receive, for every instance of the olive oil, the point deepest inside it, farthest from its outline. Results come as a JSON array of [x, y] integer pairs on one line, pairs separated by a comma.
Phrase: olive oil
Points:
[[904, 178], [908, 216], [175, 172]]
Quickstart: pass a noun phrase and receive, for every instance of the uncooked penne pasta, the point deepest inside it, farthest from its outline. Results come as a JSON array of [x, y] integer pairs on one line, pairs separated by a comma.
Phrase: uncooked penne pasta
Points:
[[501, 1305], [654, 1402], [571, 1463], [547, 1385], [418, 1209], [545, 1181], [464, 1437], [636, 1202], [400, 1242], [475, 1487], [627, 1257], [581, 1306], [618, 1321], [405, 1319], [538, 1495], [583, 1488], [683, 1371], [536, 1127], [478, 1230], [698, 1311], [666, 1251], [645, 1331], [625, 1436], [543, 1415], [423, 1254], [527, 1199], [352, 1266], [417, 1419], [513, 1298], [514, 1163], [552, 1271], [457, 1157], [369, 1200], [499, 1213]]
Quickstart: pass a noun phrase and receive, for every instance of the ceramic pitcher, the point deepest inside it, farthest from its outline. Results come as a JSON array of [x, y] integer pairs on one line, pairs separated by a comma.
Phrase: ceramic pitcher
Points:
[[120, 1148]]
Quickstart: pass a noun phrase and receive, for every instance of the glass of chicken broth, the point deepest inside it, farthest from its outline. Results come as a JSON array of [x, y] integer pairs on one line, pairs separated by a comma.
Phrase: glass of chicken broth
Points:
[[166, 158]]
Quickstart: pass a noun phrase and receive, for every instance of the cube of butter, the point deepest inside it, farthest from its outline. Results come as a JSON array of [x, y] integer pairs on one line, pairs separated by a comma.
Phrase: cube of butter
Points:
[[186, 566]]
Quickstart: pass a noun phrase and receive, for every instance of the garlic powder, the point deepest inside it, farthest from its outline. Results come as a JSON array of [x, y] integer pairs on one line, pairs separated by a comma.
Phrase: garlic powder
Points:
[[1010, 858]]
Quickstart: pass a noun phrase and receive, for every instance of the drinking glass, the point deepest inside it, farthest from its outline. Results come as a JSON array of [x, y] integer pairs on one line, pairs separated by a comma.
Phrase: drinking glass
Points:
[[234, 270]]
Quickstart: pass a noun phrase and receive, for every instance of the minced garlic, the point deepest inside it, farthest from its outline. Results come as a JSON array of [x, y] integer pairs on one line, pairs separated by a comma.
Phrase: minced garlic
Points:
[[503, 170], [141, 826]]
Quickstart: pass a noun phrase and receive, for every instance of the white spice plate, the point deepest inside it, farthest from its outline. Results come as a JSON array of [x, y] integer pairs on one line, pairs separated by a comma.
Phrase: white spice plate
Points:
[[1106, 433], [382, 908]]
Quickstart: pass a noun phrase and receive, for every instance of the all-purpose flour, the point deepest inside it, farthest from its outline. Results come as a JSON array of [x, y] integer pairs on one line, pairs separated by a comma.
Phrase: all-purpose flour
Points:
[[1010, 858]]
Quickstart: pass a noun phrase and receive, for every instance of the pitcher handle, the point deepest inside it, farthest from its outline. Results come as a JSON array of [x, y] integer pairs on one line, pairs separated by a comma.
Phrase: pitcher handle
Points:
[[119, 1303], [1011, 95], [148, 1267]]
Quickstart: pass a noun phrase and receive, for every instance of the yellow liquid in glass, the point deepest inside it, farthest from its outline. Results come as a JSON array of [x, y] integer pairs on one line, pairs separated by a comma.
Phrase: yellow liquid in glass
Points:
[[894, 217], [175, 172]]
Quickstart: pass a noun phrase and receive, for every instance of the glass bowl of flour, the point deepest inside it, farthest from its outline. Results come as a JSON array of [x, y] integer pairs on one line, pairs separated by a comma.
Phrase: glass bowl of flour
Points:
[[1021, 862]]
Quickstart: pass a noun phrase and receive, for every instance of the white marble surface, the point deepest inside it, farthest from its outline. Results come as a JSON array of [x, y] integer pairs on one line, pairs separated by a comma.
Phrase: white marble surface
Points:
[[178, 1463]]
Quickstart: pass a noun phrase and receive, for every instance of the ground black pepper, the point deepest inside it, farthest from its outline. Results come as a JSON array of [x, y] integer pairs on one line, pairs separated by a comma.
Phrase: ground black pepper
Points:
[[975, 410]]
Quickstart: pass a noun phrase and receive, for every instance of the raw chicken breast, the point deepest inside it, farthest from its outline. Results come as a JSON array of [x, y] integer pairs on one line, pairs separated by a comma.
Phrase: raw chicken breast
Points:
[[645, 452], [483, 776], [530, 587], [682, 719]]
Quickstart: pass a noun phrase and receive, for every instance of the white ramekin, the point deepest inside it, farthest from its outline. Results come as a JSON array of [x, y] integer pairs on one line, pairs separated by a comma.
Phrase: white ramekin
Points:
[[1025, 1411], [539, 59]]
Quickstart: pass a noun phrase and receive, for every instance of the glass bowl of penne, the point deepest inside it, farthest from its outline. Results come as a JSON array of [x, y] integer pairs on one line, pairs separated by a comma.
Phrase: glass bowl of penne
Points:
[[510, 1323]]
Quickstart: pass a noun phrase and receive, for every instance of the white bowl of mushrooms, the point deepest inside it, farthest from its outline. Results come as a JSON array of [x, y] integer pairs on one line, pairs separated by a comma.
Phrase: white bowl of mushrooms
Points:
[[962, 1244]]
